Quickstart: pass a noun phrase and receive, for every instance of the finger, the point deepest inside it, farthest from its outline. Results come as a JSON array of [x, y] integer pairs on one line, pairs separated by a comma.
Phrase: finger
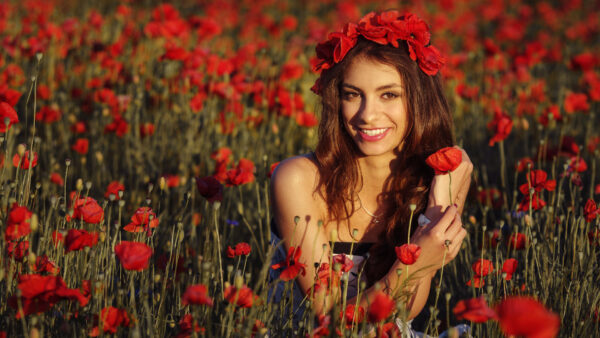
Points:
[[457, 242], [446, 220], [454, 227]]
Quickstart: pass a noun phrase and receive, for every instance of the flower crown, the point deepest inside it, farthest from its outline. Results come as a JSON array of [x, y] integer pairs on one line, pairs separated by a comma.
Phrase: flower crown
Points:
[[383, 28]]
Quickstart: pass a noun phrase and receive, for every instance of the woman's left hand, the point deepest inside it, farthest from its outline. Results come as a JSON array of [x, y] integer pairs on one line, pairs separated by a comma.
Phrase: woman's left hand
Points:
[[439, 193]]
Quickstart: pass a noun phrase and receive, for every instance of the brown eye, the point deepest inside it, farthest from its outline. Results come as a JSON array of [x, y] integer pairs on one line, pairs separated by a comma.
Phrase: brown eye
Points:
[[390, 95], [346, 95]]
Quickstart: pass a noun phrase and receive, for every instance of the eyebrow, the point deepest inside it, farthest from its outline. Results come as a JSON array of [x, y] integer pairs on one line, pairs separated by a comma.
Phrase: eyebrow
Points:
[[387, 86]]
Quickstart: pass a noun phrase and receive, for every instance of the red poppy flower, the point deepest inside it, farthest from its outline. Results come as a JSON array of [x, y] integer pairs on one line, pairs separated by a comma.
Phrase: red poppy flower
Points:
[[113, 188], [242, 297], [17, 249], [536, 203], [509, 267], [525, 316], [482, 267], [111, 318], [40, 293], [242, 174], [272, 169], [7, 112], [501, 126], [143, 219], [575, 102], [390, 330], [81, 146], [292, 266], [594, 237], [380, 308], [9, 96], [523, 163], [48, 114], [210, 188], [474, 309], [346, 263], [491, 196], [538, 180], [24, 163], [306, 119], [88, 210], [57, 238], [146, 129], [444, 160], [352, 315], [408, 253], [197, 295], [133, 255], [57, 179], [17, 223], [79, 239], [43, 264], [577, 164], [590, 210], [517, 241]]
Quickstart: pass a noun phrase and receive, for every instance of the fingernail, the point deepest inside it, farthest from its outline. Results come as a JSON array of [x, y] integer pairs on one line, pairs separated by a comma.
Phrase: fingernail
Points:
[[455, 205]]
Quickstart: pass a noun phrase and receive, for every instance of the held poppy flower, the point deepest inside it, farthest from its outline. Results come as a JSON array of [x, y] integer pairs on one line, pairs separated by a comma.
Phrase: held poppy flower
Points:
[[24, 162], [444, 160], [210, 188], [111, 318], [380, 308], [474, 309], [408, 253], [525, 316], [242, 297], [509, 267], [292, 266], [79, 239], [196, 295], [133, 255]]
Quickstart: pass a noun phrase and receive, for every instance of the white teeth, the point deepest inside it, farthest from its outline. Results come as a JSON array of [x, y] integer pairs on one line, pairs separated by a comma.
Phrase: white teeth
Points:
[[373, 132]]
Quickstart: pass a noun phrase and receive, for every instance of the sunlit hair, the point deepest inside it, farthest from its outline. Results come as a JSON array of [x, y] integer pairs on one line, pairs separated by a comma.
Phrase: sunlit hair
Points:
[[429, 128]]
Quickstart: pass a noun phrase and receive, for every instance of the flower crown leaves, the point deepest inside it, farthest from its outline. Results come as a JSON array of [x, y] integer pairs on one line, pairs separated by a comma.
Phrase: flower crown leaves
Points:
[[382, 28]]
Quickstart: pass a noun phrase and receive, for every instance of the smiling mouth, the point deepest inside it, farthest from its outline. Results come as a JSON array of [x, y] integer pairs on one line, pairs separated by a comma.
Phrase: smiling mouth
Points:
[[373, 132]]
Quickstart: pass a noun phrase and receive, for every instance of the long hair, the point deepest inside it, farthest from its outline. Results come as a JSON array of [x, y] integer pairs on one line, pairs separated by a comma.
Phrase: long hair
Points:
[[429, 128]]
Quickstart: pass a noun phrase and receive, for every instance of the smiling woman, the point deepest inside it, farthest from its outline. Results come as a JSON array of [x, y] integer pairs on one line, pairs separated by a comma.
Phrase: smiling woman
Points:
[[383, 114]]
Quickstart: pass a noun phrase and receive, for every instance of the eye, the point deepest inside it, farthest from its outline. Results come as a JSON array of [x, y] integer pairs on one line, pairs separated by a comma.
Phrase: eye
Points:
[[348, 95], [390, 95]]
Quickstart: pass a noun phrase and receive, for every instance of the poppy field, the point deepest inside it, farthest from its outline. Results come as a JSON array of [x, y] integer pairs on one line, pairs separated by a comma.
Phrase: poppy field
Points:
[[137, 141]]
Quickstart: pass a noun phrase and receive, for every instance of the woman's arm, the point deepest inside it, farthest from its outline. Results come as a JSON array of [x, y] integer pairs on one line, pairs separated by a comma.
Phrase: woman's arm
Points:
[[293, 184]]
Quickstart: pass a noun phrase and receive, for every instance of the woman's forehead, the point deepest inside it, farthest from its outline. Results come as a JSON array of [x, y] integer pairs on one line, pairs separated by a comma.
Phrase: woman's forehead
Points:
[[373, 74]]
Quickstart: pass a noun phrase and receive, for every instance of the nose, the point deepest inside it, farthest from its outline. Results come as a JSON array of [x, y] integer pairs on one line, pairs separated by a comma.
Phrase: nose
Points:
[[369, 110]]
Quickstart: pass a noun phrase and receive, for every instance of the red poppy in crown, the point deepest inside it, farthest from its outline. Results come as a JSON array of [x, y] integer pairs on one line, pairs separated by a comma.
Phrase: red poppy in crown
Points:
[[382, 28]]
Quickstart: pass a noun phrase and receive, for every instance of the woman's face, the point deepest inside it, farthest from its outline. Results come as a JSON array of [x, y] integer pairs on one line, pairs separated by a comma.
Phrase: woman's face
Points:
[[373, 107]]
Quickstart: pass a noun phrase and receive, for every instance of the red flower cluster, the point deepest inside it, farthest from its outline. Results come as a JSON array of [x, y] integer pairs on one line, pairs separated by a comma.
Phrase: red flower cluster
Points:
[[17, 224], [241, 249], [113, 188], [444, 160], [24, 162], [383, 28], [482, 267], [40, 293]]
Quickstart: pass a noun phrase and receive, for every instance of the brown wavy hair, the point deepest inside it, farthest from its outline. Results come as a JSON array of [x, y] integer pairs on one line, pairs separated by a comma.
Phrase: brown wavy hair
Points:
[[429, 128]]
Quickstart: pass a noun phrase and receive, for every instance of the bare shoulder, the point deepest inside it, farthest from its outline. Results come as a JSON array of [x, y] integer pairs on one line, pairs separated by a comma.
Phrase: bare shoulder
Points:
[[293, 194], [296, 172]]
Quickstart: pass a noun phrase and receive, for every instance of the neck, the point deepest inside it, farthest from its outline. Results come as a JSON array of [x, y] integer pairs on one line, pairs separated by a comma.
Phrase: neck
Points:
[[375, 170]]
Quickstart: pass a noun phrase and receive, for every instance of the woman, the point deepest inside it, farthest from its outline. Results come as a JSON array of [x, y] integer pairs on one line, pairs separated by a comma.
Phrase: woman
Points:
[[383, 114]]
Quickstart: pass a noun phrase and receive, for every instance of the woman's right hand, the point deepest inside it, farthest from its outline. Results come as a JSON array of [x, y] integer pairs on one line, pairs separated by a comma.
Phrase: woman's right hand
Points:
[[432, 240]]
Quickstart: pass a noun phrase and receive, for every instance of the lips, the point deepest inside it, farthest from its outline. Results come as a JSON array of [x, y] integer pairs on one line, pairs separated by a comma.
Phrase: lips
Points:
[[372, 135]]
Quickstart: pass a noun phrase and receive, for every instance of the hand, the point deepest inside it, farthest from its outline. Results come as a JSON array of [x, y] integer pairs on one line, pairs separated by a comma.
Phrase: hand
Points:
[[432, 240], [439, 193]]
